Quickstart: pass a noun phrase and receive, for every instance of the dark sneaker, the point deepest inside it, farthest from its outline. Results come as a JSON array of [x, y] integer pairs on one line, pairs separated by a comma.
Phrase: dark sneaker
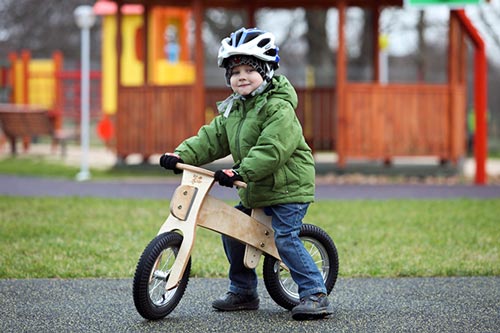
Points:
[[312, 307], [235, 302]]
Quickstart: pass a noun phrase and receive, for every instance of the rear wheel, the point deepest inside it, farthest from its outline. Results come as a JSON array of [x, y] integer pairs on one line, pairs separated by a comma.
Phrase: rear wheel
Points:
[[151, 299], [279, 283]]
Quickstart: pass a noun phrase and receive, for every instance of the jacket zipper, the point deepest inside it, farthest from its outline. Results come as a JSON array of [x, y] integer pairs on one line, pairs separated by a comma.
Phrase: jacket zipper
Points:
[[238, 147], [240, 125]]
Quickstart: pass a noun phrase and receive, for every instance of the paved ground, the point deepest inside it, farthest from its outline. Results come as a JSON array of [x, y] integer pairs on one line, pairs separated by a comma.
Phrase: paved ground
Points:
[[361, 305], [163, 189]]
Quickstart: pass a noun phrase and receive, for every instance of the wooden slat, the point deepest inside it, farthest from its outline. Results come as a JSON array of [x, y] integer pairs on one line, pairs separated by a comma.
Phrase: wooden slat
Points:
[[403, 120], [382, 121], [154, 119], [25, 120], [317, 114], [318, 126]]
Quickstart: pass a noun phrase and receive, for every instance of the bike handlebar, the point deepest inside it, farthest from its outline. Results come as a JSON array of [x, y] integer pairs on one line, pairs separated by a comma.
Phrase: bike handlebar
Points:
[[205, 172]]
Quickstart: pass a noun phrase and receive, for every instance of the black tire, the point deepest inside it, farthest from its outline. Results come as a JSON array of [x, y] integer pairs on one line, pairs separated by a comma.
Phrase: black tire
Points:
[[279, 284], [151, 299]]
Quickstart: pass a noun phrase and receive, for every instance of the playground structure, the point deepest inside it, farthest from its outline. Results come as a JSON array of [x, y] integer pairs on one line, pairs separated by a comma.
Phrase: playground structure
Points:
[[168, 51], [374, 120], [46, 85], [150, 74]]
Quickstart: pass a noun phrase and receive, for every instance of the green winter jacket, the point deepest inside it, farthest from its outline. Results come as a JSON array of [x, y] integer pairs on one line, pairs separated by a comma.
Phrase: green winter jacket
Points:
[[264, 137]]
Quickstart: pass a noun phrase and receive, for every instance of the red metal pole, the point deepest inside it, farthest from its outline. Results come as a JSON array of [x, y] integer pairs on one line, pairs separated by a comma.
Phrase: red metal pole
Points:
[[25, 58], [57, 108], [480, 97], [12, 77], [480, 136]]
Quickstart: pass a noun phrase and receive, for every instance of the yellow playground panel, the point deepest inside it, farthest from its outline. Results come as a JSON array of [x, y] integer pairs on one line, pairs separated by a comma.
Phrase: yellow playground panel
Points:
[[169, 59], [34, 80]]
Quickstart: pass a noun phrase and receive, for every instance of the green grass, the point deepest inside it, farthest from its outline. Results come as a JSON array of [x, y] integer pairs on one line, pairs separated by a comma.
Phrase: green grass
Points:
[[41, 166], [32, 166], [90, 237]]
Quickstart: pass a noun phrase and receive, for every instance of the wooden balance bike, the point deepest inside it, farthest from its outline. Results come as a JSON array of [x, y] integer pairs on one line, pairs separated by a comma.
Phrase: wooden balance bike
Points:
[[163, 269]]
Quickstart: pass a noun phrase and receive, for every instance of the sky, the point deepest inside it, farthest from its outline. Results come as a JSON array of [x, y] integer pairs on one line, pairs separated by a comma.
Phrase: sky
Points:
[[397, 24]]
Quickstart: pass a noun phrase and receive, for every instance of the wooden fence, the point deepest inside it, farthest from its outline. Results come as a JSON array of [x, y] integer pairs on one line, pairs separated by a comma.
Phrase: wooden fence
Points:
[[316, 112], [154, 119], [378, 122], [385, 121]]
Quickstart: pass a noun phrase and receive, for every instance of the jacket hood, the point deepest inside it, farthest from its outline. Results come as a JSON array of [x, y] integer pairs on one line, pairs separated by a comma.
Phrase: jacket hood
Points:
[[282, 88], [279, 87]]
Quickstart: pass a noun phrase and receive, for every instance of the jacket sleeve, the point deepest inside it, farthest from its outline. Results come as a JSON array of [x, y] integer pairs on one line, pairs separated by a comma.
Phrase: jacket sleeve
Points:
[[208, 145], [280, 137]]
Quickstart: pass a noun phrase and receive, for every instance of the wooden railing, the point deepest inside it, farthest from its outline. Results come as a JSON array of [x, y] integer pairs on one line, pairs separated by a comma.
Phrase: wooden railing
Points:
[[318, 115], [385, 121], [154, 119], [378, 122], [316, 112]]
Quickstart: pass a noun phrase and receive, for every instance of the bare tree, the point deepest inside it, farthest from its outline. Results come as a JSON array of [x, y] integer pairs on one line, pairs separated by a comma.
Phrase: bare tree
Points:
[[43, 27], [421, 47], [490, 18], [365, 40], [220, 24], [319, 55]]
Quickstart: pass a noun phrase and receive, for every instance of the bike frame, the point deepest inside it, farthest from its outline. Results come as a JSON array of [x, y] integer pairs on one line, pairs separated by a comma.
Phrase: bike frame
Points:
[[192, 206]]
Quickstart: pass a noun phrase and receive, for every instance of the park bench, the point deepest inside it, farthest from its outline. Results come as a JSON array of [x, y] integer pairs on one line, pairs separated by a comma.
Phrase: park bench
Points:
[[25, 121]]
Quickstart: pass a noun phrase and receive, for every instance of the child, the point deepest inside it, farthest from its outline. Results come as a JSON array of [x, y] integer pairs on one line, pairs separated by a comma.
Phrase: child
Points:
[[257, 125]]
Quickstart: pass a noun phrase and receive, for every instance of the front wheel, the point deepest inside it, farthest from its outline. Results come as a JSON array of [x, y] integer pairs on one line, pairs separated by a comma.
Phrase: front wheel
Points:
[[279, 283], [151, 299]]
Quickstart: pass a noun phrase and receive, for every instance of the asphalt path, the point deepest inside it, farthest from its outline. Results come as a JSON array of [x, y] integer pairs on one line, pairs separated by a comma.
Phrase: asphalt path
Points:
[[360, 305], [164, 188]]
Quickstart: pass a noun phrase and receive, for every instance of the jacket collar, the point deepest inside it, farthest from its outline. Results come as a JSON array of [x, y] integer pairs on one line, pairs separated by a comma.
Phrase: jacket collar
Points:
[[226, 105]]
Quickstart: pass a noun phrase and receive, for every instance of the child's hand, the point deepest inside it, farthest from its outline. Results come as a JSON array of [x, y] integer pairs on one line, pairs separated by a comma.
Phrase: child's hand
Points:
[[170, 160], [227, 177]]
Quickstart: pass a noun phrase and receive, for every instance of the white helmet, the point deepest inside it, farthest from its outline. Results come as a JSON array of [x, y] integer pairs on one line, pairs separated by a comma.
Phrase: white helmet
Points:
[[252, 42]]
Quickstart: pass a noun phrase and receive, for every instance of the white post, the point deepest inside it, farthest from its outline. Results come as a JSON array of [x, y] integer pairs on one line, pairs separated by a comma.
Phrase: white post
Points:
[[383, 59], [85, 19]]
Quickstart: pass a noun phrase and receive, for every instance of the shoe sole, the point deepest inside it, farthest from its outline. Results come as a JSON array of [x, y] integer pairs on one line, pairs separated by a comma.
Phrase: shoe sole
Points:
[[240, 307], [318, 314]]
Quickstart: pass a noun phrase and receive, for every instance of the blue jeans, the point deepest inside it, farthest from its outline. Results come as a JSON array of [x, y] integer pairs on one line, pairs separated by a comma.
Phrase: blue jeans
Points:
[[286, 222]]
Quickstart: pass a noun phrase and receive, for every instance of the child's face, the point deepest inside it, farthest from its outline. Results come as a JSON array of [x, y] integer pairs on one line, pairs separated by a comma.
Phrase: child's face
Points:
[[245, 79]]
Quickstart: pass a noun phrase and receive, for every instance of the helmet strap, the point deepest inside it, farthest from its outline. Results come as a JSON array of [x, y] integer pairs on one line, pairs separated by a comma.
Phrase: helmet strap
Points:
[[265, 83], [260, 89]]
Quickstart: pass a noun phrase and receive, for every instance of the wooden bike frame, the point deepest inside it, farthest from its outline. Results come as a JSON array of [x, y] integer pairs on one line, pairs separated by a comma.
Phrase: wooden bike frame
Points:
[[191, 206]]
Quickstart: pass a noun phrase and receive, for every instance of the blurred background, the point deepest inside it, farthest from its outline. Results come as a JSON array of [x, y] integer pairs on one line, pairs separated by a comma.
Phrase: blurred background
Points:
[[415, 41]]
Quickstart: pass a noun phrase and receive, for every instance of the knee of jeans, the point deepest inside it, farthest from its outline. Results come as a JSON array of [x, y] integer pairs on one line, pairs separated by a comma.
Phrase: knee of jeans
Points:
[[283, 239], [280, 242]]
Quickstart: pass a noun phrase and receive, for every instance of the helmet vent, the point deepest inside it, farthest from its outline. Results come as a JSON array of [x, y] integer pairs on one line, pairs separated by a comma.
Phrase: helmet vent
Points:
[[248, 37], [271, 52], [264, 42]]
